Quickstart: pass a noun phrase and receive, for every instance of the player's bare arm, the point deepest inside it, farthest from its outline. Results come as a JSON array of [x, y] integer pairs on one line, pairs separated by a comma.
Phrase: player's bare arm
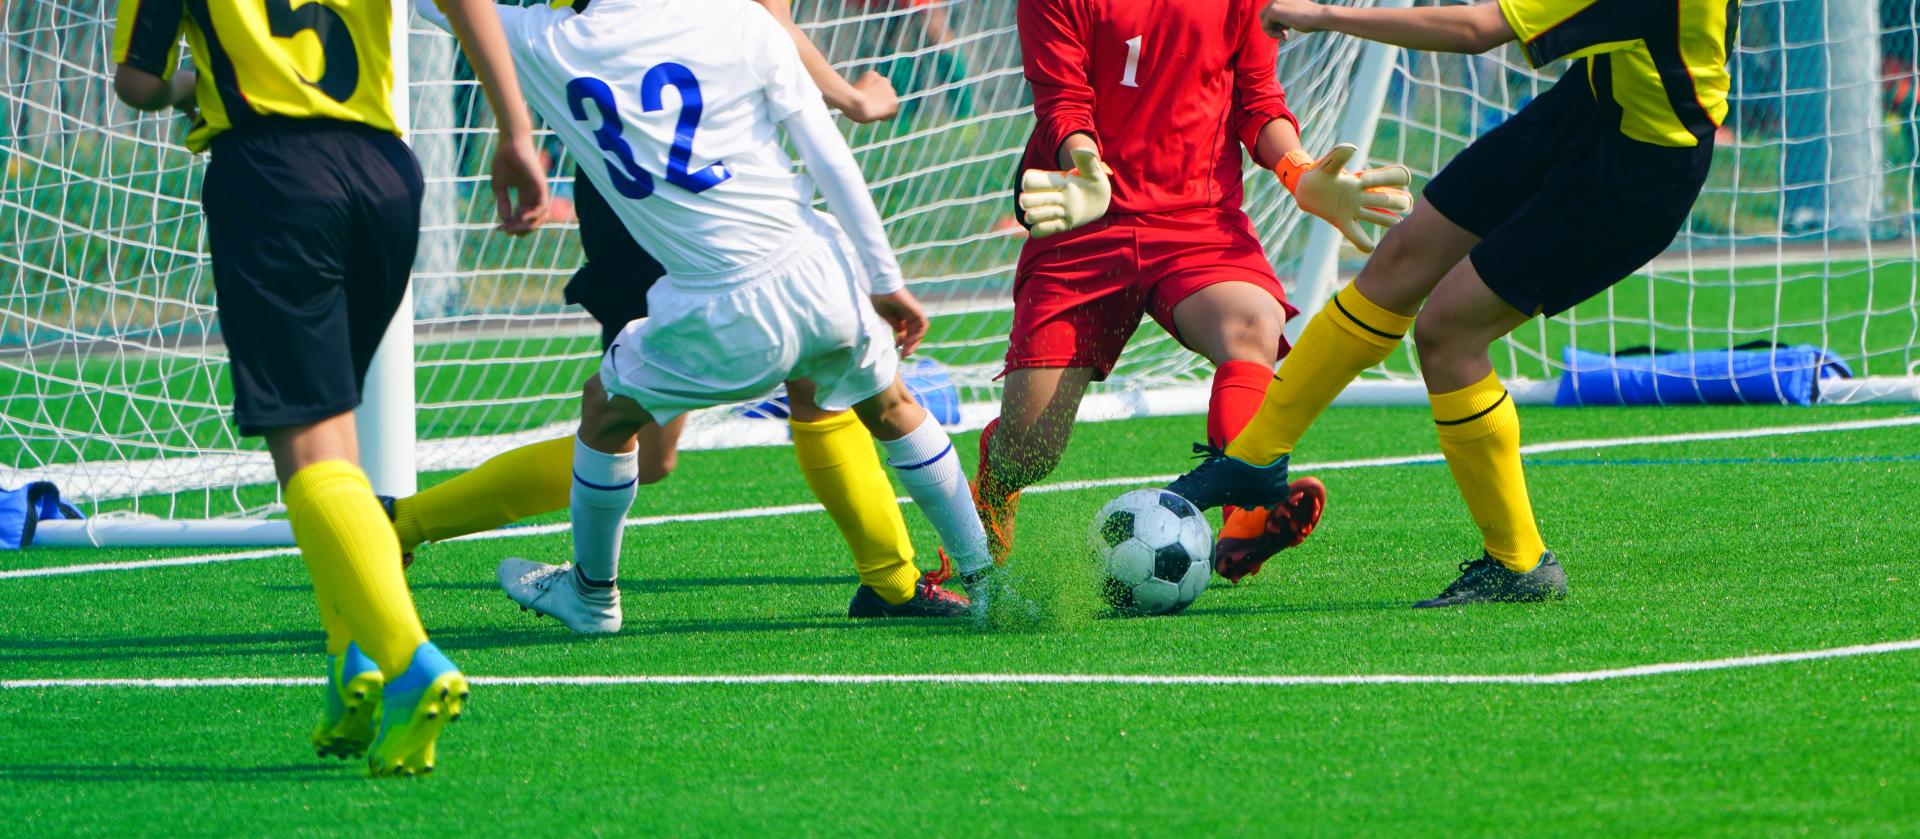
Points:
[[144, 91], [870, 98], [1463, 29], [519, 182]]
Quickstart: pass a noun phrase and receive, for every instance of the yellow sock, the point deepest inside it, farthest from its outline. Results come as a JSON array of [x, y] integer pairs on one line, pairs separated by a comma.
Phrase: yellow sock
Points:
[[1480, 435], [510, 486], [331, 619], [354, 560], [836, 455], [1348, 336]]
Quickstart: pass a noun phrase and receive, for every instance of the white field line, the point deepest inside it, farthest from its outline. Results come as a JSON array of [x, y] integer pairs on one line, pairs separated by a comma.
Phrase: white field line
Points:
[[1061, 486], [1564, 678]]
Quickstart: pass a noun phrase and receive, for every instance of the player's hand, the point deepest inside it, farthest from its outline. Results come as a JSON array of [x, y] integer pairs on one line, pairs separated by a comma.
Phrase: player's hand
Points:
[[1054, 202], [877, 99], [519, 186], [181, 88], [1282, 16], [1347, 199], [902, 311]]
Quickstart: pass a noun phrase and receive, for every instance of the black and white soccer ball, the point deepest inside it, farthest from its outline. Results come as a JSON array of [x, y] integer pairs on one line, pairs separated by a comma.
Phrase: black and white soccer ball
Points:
[[1156, 549]]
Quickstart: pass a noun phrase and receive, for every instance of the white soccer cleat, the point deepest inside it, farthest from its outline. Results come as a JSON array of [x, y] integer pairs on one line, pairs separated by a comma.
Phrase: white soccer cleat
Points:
[[555, 591]]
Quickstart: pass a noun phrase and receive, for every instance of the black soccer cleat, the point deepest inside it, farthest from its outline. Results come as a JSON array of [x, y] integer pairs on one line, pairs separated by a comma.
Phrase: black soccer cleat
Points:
[[929, 601], [1223, 480], [1485, 580], [386, 504]]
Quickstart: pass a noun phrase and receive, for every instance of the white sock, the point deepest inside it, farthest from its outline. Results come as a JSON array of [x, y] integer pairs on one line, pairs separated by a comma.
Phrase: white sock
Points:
[[603, 489], [930, 469]]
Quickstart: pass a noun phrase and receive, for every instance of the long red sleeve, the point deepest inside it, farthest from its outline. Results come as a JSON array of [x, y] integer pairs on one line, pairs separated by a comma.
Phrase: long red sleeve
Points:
[[1168, 89], [1257, 96], [1056, 64]]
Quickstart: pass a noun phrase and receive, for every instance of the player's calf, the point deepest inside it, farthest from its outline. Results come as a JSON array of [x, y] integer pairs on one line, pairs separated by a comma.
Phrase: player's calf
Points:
[[922, 454]]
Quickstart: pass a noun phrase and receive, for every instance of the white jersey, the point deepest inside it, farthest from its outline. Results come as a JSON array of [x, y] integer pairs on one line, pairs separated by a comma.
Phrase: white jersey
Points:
[[671, 106]]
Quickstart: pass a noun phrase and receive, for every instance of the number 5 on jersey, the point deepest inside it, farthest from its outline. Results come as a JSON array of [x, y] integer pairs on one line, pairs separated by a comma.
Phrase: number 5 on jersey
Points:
[[629, 178]]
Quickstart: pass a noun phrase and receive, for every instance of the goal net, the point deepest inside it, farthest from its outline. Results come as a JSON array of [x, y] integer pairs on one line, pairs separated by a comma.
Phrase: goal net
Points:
[[112, 373]]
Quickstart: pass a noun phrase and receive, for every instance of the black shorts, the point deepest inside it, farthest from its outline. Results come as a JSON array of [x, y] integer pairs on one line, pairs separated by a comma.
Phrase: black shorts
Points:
[[312, 225], [1566, 205], [612, 283]]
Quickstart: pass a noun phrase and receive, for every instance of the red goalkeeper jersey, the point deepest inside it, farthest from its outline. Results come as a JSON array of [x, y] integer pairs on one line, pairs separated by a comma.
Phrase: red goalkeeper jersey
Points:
[[1168, 88]]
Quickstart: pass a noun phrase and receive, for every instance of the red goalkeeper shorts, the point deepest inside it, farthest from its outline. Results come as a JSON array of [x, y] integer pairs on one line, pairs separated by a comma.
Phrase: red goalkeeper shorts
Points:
[[1078, 296]]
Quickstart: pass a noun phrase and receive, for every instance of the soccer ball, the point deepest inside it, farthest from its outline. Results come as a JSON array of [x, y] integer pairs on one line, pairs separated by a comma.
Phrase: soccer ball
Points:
[[1156, 550]]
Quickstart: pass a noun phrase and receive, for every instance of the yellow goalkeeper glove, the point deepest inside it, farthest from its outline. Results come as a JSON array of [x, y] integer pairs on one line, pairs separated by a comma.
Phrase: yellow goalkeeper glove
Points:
[[1345, 199], [1054, 202]]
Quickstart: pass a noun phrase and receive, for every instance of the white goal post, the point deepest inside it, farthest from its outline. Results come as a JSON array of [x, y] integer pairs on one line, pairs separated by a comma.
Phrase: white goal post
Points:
[[112, 372]]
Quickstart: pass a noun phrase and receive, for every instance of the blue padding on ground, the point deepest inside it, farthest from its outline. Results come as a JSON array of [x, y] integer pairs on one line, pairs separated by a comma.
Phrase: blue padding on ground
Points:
[[1752, 373], [928, 381], [21, 509]]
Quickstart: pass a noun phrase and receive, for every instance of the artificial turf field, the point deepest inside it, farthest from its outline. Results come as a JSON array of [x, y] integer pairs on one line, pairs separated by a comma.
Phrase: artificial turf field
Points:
[[1693, 551]]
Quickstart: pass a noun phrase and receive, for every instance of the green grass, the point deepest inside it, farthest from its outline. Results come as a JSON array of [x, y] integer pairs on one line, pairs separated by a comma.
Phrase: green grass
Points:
[[1676, 552]]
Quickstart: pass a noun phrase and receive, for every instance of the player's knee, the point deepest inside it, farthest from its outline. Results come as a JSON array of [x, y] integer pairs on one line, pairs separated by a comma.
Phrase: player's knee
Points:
[[1251, 336], [1435, 340], [891, 413]]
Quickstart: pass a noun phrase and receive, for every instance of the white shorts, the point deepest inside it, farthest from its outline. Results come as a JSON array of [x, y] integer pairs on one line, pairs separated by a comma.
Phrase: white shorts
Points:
[[803, 313]]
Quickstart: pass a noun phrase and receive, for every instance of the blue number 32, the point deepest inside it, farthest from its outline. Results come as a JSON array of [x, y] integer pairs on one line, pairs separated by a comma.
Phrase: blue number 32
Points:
[[629, 179]]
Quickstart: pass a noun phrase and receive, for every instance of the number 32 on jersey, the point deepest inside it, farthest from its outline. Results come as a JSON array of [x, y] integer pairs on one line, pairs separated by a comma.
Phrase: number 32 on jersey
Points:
[[629, 178]]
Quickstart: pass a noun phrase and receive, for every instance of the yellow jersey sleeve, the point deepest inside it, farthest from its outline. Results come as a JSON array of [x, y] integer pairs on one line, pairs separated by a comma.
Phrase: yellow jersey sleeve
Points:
[[1550, 30], [146, 35]]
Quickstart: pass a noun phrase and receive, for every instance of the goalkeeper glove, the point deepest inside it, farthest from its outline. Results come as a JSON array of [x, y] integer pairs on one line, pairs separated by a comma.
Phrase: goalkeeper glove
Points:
[[1345, 199], [1054, 202]]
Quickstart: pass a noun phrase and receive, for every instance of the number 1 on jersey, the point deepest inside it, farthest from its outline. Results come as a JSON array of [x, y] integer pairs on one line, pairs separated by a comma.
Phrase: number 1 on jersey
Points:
[[1131, 78]]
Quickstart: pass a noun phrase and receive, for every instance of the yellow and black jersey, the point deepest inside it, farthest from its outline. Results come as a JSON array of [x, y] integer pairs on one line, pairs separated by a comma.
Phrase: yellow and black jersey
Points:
[[1662, 64], [317, 59]]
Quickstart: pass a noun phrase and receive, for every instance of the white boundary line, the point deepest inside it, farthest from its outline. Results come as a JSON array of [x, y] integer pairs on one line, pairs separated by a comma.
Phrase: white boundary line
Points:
[[1565, 678], [1062, 486]]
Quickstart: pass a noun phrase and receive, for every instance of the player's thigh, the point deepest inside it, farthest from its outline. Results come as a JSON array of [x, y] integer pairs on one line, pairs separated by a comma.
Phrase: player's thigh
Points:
[[1412, 258], [1075, 302], [1461, 319], [279, 230], [1212, 289]]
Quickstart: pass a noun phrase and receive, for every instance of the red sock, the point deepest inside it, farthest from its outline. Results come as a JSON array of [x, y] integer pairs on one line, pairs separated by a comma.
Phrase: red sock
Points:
[[1238, 389]]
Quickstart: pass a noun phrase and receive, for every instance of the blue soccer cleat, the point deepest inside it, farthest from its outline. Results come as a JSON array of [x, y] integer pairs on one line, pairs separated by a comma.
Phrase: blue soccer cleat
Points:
[[417, 704], [353, 700]]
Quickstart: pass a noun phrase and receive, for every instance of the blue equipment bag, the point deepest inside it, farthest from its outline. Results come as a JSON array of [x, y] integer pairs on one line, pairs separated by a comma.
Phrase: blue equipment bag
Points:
[[925, 378], [21, 509], [1759, 372]]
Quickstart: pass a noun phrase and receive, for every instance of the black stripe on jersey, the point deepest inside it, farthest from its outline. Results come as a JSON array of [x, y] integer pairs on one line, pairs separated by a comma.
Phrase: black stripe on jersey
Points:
[[1601, 23], [156, 27], [225, 80], [1676, 78]]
